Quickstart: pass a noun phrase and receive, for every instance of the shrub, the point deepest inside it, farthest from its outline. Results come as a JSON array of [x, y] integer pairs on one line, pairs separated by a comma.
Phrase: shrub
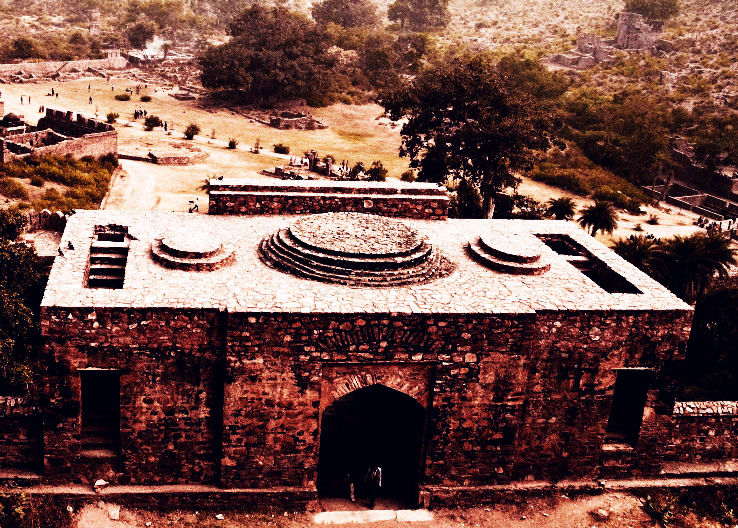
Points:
[[281, 148], [408, 176], [618, 199], [377, 172], [145, 98], [122, 97], [12, 223], [653, 220], [37, 181], [191, 131], [152, 122], [232, 143], [13, 189], [112, 117]]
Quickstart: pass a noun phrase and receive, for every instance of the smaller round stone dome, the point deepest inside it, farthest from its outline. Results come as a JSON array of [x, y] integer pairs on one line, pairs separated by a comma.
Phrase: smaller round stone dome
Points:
[[191, 251]]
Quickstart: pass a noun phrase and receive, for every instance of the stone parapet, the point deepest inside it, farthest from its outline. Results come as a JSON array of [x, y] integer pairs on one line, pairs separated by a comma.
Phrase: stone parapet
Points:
[[274, 197], [704, 430]]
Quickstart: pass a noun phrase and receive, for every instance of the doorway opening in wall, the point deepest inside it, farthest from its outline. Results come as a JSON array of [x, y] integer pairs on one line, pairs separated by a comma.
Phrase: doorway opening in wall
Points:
[[371, 427], [100, 412], [629, 399]]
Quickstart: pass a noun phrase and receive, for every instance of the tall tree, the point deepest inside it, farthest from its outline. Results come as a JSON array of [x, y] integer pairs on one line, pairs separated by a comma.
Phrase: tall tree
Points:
[[274, 53], [346, 13], [470, 120], [653, 9], [687, 264], [600, 216], [561, 208], [419, 15], [638, 250]]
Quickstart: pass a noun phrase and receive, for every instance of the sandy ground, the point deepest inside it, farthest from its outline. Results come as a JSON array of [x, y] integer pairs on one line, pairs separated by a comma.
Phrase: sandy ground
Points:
[[621, 511], [355, 133]]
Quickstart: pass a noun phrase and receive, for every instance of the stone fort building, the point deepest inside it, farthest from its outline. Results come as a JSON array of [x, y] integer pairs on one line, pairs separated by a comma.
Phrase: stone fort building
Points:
[[276, 354]]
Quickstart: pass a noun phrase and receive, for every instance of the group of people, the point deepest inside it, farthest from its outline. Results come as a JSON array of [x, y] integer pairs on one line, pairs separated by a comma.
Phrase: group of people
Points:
[[718, 226]]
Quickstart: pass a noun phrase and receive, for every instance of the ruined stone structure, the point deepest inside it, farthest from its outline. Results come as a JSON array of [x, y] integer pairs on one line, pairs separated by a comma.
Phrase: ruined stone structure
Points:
[[589, 52], [248, 196], [636, 32], [29, 71], [58, 133]]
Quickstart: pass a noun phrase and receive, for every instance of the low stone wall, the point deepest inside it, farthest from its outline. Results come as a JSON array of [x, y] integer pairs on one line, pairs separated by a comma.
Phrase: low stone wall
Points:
[[47, 68], [20, 434], [46, 220], [705, 430], [274, 197]]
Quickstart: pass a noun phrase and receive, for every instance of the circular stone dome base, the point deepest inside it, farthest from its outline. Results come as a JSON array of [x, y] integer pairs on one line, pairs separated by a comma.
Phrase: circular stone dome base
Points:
[[354, 249], [189, 251], [506, 255]]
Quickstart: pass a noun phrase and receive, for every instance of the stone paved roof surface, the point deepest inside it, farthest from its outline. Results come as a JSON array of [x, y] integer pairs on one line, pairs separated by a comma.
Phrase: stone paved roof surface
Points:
[[248, 285]]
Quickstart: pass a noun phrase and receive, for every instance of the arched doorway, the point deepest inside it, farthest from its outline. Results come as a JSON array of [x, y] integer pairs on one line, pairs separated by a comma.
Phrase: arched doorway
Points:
[[374, 425]]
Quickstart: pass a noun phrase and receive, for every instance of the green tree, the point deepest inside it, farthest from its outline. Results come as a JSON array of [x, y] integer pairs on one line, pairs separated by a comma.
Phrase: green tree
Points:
[[561, 208], [688, 264], [274, 54], [468, 120], [638, 250], [139, 33], [419, 15], [653, 9], [346, 13], [12, 223], [25, 48], [600, 216], [377, 172]]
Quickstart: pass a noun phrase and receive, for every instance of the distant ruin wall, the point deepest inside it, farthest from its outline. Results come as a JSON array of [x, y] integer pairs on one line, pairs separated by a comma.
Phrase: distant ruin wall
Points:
[[45, 69], [94, 145], [705, 430]]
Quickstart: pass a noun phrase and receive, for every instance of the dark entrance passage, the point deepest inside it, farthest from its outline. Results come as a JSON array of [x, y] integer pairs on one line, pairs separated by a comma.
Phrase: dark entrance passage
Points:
[[374, 425]]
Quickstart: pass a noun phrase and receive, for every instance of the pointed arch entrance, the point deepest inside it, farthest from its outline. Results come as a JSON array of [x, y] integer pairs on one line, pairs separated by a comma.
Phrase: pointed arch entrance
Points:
[[372, 425]]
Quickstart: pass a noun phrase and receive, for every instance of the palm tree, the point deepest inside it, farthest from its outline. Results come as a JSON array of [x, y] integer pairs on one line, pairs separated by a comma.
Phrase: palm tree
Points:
[[561, 208], [600, 216], [638, 250], [687, 264]]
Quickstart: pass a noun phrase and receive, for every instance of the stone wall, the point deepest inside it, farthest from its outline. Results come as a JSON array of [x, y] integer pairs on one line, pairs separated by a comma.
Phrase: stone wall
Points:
[[81, 137], [259, 198], [170, 392], [706, 430], [236, 399], [48, 68], [513, 397], [20, 434]]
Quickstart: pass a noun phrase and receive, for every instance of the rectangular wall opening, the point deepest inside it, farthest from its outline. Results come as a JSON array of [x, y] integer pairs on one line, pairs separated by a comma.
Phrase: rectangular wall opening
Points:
[[100, 412], [590, 266], [628, 402]]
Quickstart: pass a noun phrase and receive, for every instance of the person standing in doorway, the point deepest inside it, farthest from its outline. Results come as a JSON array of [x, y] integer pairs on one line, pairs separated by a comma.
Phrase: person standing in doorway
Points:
[[374, 478]]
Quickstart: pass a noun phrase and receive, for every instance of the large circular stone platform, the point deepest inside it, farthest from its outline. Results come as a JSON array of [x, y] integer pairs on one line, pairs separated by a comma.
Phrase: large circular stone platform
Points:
[[191, 251], [354, 249]]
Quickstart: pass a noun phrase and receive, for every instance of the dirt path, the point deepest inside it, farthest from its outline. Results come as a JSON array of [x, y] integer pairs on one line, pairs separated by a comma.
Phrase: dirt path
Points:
[[610, 510]]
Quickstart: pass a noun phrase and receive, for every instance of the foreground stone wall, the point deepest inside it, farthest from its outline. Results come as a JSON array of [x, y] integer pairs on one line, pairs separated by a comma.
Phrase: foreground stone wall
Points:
[[237, 399], [704, 431], [20, 434], [170, 385], [514, 397]]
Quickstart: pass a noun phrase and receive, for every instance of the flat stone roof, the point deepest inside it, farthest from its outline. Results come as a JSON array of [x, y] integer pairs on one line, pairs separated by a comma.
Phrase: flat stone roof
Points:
[[246, 284]]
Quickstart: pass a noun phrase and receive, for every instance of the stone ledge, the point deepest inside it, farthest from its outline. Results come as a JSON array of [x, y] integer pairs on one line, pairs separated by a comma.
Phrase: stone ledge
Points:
[[702, 408]]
